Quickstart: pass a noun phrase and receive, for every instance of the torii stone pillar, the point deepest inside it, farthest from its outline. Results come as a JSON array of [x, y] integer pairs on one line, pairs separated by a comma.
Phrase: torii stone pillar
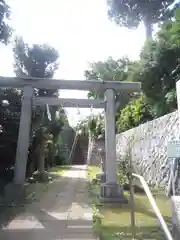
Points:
[[110, 190], [15, 190], [23, 138]]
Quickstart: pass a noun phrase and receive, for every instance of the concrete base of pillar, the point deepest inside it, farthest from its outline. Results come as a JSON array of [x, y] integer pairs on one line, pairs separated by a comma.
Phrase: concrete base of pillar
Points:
[[112, 193], [14, 193], [101, 177]]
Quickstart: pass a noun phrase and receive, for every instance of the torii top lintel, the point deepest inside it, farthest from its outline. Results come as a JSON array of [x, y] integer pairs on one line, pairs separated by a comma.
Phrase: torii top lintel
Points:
[[45, 83]]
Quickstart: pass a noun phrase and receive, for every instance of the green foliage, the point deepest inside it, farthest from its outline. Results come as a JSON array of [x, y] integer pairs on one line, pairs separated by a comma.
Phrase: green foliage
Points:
[[35, 61], [111, 70], [159, 67], [128, 13], [9, 101], [158, 70], [97, 220], [10, 107], [123, 172], [92, 126], [136, 112], [5, 29], [82, 127], [170, 13], [40, 61], [96, 125], [60, 160]]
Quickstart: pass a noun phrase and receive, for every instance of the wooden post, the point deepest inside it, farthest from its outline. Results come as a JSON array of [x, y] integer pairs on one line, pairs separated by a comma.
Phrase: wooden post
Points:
[[23, 138]]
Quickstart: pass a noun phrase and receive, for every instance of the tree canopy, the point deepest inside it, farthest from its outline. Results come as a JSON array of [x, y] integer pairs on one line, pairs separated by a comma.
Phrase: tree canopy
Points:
[[136, 112], [5, 29], [93, 126], [158, 69], [36, 61], [111, 70], [171, 11], [40, 61], [128, 13]]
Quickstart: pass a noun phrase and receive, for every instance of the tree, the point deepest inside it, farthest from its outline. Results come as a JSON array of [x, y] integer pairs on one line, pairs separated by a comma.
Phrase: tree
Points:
[[10, 108], [8, 120], [159, 67], [170, 13], [128, 13], [39, 61], [92, 126], [5, 29], [111, 70]]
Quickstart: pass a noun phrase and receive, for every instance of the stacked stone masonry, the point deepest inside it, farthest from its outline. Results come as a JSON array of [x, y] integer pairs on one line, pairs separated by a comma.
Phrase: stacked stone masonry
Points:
[[149, 148]]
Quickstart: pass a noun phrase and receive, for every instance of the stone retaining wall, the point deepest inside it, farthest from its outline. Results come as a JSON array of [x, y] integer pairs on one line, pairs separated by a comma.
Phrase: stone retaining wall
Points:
[[149, 148]]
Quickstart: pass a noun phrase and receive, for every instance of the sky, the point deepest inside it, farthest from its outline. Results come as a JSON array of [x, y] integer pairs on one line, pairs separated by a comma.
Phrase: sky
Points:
[[80, 30]]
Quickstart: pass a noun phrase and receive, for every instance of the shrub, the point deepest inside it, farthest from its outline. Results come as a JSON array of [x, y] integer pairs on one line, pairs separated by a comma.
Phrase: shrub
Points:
[[123, 172], [60, 160], [136, 112]]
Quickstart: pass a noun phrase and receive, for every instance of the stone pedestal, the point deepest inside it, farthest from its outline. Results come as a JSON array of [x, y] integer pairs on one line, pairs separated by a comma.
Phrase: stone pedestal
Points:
[[175, 217], [112, 193], [14, 193]]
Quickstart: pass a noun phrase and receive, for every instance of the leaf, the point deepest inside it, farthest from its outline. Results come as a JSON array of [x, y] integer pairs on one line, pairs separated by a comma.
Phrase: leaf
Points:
[[177, 14]]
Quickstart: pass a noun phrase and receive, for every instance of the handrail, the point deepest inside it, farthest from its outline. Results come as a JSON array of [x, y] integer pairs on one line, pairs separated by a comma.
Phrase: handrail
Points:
[[73, 146], [154, 206]]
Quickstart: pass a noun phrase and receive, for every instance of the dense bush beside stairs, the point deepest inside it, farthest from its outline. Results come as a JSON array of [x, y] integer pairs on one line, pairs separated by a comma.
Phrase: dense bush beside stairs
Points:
[[60, 160]]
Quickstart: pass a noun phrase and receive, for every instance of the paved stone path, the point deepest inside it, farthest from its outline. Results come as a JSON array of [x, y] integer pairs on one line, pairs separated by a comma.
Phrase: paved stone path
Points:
[[63, 213]]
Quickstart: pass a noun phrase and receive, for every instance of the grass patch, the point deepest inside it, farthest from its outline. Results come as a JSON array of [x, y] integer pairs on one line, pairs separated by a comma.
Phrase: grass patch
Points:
[[112, 222], [92, 171]]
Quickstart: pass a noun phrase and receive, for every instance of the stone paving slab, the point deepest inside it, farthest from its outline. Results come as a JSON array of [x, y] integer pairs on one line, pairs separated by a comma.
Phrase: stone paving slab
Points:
[[63, 213]]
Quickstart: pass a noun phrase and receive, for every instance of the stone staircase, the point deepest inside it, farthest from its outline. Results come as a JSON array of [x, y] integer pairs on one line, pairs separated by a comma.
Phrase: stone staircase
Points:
[[81, 152], [64, 151], [85, 155]]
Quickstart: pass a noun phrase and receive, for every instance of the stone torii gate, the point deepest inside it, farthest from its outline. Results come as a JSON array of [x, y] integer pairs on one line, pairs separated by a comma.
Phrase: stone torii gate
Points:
[[108, 103]]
